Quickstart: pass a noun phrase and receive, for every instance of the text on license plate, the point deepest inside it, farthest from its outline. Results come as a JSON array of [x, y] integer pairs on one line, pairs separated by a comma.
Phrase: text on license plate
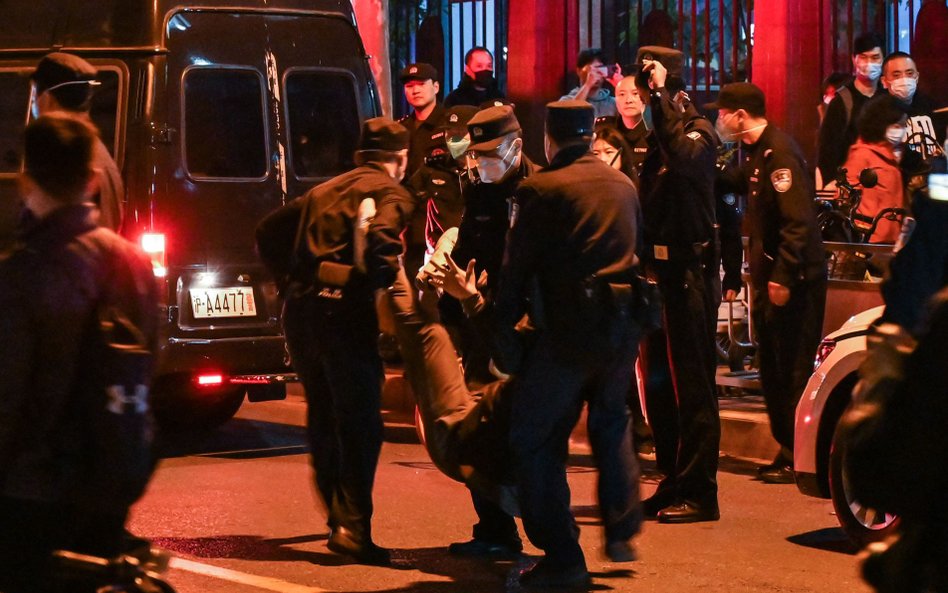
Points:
[[222, 302]]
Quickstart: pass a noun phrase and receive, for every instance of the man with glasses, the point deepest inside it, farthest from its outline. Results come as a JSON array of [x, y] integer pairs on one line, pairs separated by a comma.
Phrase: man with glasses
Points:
[[496, 156], [65, 82]]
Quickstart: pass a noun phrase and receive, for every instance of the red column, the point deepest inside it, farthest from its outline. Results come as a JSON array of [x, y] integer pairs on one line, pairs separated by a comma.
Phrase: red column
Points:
[[787, 65], [538, 41]]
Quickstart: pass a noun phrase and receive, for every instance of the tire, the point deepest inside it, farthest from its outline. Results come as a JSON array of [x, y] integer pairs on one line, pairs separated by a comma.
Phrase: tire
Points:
[[180, 405], [862, 524]]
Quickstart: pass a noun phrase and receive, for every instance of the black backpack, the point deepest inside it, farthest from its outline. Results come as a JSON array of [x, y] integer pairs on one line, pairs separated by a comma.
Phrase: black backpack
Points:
[[117, 458]]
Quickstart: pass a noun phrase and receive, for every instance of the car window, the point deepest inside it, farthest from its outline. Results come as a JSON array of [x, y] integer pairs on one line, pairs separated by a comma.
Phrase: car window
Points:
[[224, 133], [323, 118], [14, 105], [105, 107]]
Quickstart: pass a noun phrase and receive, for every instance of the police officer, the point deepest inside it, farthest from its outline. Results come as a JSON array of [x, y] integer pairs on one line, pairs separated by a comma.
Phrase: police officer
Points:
[[631, 121], [677, 186], [439, 184], [572, 240], [345, 252], [421, 85], [787, 260], [496, 156]]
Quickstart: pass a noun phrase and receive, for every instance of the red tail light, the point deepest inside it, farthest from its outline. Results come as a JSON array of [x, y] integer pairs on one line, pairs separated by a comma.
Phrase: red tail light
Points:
[[153, 244], [210, 380]]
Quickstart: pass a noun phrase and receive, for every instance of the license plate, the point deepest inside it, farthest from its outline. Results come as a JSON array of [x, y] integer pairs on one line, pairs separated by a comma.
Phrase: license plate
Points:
[[222, 302]]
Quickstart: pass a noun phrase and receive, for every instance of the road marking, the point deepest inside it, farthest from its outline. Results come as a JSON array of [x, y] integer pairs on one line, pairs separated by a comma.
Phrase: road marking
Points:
[[242, 578]]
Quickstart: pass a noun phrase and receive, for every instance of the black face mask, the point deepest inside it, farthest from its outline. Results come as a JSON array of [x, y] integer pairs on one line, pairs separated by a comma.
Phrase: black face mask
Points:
[[484, 78]]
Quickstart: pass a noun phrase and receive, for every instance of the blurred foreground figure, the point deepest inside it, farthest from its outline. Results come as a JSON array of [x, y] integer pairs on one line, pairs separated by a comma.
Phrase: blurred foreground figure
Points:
[[79, 333]]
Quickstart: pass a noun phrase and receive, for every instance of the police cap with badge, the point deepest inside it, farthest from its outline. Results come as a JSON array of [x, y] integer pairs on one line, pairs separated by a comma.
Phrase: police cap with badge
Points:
[[672, 59], [489, 127], [450, 137], [418, 71]]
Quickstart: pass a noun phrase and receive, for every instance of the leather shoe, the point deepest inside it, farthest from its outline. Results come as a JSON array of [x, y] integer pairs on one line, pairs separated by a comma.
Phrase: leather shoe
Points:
[[548, 575], [656, 502], [621, 551], [782, 474], [482, 548], [688, 512], [344, 541]]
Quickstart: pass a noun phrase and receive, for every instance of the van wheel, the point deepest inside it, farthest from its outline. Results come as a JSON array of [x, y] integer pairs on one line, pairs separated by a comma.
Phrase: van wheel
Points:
[[862, 524], [180, 405]]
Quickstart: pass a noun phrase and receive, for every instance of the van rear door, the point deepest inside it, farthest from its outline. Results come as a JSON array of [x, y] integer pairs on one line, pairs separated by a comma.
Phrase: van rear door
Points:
[[270, 103]]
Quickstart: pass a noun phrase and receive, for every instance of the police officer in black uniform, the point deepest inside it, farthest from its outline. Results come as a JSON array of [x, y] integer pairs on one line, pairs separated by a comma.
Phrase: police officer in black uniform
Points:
[[440, 183], [787, 260], [496, 155], [677, 188], [572, 239], [332, 266], [421, 86]]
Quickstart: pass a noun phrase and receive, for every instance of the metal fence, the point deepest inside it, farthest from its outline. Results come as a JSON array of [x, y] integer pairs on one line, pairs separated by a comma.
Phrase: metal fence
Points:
[[440, 32], [715, 35]]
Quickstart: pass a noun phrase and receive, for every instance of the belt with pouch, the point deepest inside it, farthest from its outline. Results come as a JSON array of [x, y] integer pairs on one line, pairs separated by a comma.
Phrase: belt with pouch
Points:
[[332, 279], [688, 252]]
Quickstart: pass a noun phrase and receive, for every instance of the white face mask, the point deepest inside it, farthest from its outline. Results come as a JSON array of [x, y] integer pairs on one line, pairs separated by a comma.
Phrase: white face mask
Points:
[[896, 134], [725, 134], [903, 88], [494, 169], [870, 70]]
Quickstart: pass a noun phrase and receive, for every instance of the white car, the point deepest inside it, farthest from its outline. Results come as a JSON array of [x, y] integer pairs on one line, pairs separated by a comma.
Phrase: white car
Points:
[[817, 457]]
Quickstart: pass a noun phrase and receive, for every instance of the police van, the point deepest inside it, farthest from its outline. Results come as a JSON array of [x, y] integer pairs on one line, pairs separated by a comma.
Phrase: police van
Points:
[[217, 112]]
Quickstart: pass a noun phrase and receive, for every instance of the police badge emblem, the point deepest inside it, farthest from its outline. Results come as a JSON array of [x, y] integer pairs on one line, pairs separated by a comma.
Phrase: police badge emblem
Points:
[[782, 180], [477, 132]]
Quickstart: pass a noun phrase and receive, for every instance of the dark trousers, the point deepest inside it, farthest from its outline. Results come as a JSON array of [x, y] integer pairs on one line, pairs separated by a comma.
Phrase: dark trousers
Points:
[[684, 418], [433, 370], [333, 348], [787, 339], [547, 398], [30, 531]]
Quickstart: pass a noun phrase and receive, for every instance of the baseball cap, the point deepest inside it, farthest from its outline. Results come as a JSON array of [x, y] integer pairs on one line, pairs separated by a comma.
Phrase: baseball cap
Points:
[[385, 134], [740, 95], [59, 69], [418, 71], [489, 126]]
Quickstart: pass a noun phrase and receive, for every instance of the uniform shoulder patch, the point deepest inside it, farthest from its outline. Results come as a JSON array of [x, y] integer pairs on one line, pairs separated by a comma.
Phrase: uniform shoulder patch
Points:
[[694, 135], [782, 180]]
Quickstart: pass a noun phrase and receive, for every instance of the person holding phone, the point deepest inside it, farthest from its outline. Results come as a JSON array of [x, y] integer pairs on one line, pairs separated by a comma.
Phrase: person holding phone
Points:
[[593, 75]]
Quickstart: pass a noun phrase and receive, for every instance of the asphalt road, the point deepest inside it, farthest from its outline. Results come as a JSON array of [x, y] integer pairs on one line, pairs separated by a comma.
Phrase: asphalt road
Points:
[[237, 509]]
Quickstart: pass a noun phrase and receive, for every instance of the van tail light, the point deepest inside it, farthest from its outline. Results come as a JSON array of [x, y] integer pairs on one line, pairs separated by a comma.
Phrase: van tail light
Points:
[[153, 244], [210, 380], [822, 353]]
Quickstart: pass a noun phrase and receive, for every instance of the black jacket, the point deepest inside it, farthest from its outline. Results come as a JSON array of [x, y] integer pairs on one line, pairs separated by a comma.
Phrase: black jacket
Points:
[[838, 130], [422, 137], [328, 231], [577, 219], [677, 180], [438, 187], [50, 288], [468, 94], [785, 242], [488, 209]]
